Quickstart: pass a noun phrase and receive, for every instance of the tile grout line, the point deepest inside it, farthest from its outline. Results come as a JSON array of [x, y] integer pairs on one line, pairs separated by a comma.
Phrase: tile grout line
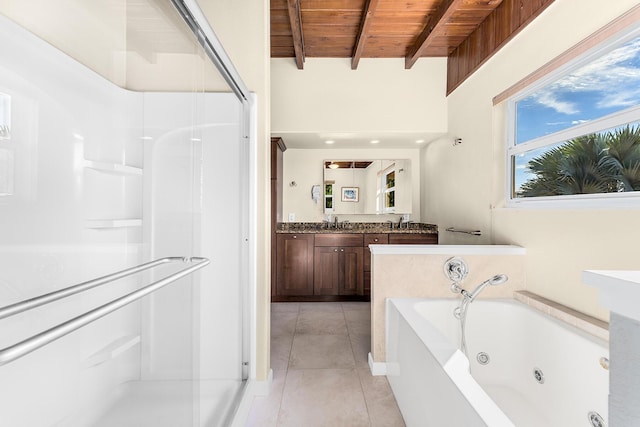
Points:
[[364, 398], [349, 334], [284, 386], [286, 372]]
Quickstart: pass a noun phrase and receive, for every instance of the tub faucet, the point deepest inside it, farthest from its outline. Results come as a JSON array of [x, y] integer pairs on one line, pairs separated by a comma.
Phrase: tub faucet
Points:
[[498, 279]]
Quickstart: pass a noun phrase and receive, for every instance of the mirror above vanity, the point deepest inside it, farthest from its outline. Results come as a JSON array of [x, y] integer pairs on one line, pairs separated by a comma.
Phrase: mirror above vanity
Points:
[[367, 186]]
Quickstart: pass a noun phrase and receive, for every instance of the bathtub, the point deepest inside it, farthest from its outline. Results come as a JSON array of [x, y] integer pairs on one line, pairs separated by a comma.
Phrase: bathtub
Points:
[[540, 372]]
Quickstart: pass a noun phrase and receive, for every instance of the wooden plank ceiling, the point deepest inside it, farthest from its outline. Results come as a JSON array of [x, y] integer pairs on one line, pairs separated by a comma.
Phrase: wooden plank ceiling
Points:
[[409, 29], [347, 164]]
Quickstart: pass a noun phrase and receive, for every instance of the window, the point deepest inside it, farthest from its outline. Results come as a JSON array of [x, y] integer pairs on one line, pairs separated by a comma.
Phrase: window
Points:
[[328, 196], [389, 189], [576, 134]]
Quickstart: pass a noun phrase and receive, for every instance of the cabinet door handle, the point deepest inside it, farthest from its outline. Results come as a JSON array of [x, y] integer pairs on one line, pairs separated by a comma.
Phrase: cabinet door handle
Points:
[[341, 250], [295, 237], [375, 240], [335, 250]]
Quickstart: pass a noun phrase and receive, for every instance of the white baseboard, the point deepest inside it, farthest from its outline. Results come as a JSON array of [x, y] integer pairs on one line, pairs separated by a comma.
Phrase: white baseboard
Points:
[[252, 389], [262, 388], [377, 368]]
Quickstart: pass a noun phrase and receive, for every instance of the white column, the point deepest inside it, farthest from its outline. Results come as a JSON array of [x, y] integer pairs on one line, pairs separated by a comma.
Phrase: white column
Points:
[[620, 292]]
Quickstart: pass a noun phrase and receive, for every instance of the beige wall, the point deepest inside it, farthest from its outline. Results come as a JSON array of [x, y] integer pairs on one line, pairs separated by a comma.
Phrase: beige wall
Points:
[[106, 37], [243, 28], [380, 96], [305, 167], [89, 32], [466, 183]]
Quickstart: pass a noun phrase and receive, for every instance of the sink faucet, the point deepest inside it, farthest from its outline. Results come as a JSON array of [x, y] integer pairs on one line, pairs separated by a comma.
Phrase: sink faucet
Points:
[[400, 222], [390, 223], [335, 222]]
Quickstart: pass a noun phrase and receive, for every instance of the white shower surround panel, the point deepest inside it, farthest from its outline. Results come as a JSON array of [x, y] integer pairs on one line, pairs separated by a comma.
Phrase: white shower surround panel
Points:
[[75, 213], [63, 117], [193, 181]]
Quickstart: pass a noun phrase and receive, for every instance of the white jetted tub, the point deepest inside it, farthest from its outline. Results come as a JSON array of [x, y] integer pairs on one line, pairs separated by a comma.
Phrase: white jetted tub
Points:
[[524, 368]]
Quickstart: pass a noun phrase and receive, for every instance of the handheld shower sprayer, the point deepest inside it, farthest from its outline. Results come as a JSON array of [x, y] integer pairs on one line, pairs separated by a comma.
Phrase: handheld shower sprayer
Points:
[[468, 298], [498, 279]]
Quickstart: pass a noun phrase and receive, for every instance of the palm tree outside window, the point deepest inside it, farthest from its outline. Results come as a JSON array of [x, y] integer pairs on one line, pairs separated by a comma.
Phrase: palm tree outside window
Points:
[[577, 134]]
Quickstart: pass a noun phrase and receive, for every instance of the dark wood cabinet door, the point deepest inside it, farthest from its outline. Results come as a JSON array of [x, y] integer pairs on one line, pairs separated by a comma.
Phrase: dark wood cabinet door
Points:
[[326, 271], [351, 271], [294, 274], [338, 270]]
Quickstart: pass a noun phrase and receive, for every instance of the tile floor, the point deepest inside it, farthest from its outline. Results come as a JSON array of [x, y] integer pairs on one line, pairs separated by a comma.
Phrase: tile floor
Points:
[[320, 372]]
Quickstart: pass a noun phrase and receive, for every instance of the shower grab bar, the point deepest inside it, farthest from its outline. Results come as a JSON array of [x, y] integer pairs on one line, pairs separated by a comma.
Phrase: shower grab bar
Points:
[[472, 232], [22, 348], [34, 302]]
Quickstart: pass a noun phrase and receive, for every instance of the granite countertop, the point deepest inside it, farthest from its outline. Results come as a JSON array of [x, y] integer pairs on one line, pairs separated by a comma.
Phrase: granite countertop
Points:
[[355, 227]]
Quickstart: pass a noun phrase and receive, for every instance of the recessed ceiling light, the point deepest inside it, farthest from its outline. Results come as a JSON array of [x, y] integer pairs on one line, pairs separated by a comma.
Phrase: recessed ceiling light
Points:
[[375, 141], [419, 141], [329, 142]]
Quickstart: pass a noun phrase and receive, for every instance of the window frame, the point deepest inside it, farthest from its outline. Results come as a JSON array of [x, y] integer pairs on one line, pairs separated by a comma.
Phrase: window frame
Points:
[[629, 199], [385, 190]]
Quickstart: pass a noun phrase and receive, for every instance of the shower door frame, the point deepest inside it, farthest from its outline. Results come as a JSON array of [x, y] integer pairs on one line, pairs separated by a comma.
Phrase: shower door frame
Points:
[[194, 17]]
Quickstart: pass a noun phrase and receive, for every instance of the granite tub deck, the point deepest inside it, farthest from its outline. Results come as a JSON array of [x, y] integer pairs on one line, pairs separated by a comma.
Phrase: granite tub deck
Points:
[[356, 227]]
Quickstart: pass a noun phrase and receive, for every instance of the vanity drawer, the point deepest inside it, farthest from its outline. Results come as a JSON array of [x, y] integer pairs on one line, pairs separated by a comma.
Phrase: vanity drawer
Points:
[[338, 239], [376, 239], [413, 239]]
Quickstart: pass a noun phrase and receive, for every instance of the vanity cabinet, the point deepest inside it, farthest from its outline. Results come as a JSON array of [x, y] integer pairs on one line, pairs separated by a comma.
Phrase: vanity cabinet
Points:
[[338, 264], [331, 266], [294, 266]]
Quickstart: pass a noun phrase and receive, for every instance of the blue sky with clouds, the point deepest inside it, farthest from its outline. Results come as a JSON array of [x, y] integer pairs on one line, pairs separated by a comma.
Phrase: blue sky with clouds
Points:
[[604, 86]]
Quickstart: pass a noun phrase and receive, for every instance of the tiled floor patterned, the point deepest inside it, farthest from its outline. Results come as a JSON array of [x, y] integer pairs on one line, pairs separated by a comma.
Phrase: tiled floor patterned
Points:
[[320, 373]]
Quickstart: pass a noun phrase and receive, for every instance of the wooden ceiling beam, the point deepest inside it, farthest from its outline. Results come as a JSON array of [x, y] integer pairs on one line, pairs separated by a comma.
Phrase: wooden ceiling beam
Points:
[[295, 19], [436, 21], [363, 33]]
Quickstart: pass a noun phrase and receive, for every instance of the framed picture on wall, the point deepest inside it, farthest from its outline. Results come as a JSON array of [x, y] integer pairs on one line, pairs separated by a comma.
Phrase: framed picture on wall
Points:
[[350, 194]]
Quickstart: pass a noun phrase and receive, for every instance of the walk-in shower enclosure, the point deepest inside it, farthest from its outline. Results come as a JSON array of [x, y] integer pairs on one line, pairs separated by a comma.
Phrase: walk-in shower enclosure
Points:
[[121, 143]]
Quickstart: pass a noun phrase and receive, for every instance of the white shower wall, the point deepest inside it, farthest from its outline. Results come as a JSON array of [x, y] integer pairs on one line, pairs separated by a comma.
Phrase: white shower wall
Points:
[[193, 180], [77, 210], [61, 223]]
